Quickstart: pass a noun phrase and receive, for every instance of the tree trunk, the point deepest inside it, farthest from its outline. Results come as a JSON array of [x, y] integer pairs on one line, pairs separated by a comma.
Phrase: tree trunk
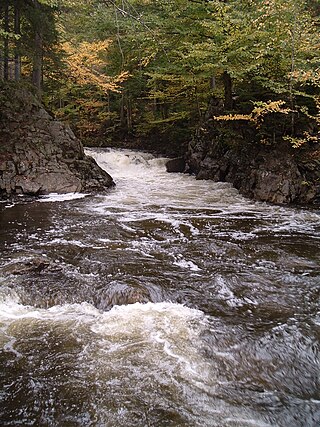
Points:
[[122, 111], [17, 57], [6, 42], [37, 55], [128, 114], [293, 59], [37, 63], [227, 83]]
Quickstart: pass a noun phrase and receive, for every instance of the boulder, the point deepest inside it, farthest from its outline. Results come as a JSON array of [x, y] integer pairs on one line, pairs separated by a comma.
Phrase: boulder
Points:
[[41, 155], [177, 164]]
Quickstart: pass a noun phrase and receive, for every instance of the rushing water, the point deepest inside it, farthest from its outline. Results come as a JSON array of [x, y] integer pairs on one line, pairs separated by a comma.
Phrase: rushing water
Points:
[[166, 302]]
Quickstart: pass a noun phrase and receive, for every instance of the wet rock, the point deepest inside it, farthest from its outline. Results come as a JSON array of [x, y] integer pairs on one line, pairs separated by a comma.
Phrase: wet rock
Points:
[[278, 174], [177, 164], [40, 155], [34, 265], [121, 294]]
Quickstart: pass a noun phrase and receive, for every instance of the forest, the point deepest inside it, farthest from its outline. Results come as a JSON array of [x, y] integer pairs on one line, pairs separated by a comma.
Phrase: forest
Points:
[[161, 70], [159, 213]]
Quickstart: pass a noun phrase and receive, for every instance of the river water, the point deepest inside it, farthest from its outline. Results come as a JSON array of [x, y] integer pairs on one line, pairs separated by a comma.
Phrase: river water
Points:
[[166, 302]]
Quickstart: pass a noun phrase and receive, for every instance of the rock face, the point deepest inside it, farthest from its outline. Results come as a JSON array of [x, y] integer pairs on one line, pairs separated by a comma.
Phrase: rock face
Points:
[[280, 174], [177, 164], [40, 155]]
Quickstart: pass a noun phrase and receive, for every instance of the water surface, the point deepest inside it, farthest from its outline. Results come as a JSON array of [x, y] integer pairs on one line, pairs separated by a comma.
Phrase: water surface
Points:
[[166, 302]]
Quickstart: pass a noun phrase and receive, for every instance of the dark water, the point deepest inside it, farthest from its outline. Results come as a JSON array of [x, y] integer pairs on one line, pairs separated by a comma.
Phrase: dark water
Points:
[[167, 302]]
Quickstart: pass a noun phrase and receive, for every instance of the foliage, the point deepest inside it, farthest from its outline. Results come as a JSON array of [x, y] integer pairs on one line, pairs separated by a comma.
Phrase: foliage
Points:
[[260, 110], [29, 36], [132, 68], [273, 46], [86, 62]]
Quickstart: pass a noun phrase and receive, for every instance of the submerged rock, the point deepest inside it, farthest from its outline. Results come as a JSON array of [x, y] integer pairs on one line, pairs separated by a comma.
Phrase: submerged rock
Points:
[[32, 265], [40, 155], [121, 294]]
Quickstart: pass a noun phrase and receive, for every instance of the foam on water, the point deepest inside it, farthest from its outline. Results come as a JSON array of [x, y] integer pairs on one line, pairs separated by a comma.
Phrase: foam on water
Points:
[[143, 168], [55, 197], [171, 318], [144, 188], [159, 237], [128, 332], [139, 348], [180, 261]]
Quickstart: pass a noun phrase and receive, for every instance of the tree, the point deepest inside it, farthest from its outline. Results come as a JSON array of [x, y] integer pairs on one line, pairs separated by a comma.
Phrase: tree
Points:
[[164, 63], [8, 34], [264, 51], [17, 32], [27, 30], [81, 90]]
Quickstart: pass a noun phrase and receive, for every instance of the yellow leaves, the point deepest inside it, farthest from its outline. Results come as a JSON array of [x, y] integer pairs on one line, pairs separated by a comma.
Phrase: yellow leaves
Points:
[[317, 99], [147, 60], [92, 54], [311, 138], [314, 117], [120, 78], [86, 63], [234, 117], [263, 108], [295, 142], [257, 115], [305, 76], [298, 142]]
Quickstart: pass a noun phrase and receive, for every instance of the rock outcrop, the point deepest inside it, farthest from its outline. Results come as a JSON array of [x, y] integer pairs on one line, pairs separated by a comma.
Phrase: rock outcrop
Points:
[[277, 174], [40, 155]]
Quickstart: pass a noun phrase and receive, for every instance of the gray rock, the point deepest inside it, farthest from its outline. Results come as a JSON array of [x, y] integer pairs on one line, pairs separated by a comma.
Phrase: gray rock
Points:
[[41, 155], [272, 174]]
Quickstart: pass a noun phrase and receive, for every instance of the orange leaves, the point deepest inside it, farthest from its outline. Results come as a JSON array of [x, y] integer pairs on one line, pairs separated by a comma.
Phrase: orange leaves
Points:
[[87, 64]]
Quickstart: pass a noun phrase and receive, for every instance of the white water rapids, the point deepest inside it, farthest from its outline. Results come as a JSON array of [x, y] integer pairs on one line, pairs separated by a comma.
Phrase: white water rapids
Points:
[[166, 302]]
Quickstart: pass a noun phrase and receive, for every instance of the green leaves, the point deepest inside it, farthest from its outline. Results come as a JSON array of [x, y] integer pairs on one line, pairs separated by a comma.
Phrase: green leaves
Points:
[[173, 50]]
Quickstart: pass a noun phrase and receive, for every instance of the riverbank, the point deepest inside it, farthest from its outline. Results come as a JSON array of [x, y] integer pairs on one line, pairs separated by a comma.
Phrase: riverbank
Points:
[[276, 173], [40, 155]]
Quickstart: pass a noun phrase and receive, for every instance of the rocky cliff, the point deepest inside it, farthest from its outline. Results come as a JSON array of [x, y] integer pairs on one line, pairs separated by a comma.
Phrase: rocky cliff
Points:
[[273, 173], [40, 155]]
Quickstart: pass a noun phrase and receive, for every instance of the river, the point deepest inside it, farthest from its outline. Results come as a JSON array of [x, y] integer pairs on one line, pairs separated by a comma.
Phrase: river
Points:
[[166, 302]]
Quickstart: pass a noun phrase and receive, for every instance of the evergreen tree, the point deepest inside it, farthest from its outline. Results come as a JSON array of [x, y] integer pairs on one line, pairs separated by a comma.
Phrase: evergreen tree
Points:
[[27, 30]]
